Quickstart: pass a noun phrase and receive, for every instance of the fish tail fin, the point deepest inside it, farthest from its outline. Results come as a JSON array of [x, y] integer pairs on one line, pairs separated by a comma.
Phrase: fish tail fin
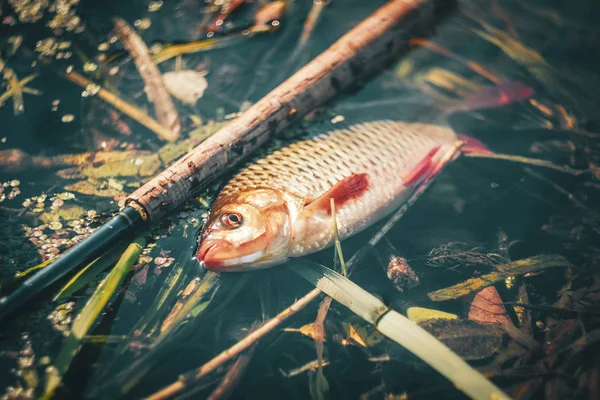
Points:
[[495, 96], [473, 145]]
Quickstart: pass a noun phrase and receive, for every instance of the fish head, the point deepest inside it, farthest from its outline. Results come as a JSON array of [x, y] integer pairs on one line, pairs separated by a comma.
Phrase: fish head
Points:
[[251, 230]]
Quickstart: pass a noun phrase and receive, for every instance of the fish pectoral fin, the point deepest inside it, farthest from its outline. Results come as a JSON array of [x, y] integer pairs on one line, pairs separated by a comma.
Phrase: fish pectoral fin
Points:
[[345, 190], [422, 170]]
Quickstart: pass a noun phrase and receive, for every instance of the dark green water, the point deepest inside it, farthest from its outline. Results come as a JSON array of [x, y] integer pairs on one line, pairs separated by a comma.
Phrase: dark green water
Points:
[[553, 48]]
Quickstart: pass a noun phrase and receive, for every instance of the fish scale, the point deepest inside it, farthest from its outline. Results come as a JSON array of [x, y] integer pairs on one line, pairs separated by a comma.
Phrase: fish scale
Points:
[[310, 167], [385, 150]]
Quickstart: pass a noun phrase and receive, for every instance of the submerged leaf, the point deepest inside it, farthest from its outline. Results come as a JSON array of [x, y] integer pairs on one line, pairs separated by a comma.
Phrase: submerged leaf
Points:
[[487, 308], [318, 386], [468, 339]]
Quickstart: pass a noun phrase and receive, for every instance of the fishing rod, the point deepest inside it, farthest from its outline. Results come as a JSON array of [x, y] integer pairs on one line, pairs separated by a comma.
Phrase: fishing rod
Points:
[[364, 50]]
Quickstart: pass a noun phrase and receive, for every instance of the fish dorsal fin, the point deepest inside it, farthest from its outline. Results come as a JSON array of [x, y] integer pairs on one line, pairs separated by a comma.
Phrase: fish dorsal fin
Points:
[[345, 190]]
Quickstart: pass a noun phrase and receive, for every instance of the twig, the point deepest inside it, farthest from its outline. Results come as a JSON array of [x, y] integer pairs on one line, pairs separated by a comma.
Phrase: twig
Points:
[[320, 336], [558, 188], [532, 161], [233, 376], [474, 66], [240, 346], [121, 105], [309, 25], [551, 309], [155, 88]]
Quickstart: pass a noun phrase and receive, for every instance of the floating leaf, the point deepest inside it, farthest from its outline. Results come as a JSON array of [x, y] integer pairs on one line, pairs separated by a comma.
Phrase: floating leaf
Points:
[[318, 386], [187, 85]]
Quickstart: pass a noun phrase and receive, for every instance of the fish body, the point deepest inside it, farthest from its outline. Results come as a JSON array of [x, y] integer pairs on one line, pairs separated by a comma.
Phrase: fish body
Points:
[[279, 206]]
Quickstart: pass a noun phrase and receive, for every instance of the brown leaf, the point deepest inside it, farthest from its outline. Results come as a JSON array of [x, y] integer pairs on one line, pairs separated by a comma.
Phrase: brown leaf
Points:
[[487, 308]]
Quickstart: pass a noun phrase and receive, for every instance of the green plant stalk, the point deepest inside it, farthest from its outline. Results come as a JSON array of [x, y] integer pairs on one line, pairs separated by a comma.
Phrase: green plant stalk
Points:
[[89, 272], [189, 305], [399, 329], [11, 283], [338, 244], [89, 314]]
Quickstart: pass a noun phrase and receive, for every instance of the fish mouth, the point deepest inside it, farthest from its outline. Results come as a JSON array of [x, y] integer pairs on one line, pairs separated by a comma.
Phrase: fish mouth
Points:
[[221, 257], [207, 254]]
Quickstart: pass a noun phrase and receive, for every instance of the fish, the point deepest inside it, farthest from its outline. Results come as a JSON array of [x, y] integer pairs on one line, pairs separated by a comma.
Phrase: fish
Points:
[[278, 207]]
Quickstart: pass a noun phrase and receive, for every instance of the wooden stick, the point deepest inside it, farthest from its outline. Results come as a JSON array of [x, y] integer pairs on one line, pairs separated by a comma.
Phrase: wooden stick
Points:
[[155, 87], [240, 346], [123, 106], [365, 49]]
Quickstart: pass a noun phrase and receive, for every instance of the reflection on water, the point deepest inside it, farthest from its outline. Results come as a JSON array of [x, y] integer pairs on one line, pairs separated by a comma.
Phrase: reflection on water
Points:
[[519, 76]]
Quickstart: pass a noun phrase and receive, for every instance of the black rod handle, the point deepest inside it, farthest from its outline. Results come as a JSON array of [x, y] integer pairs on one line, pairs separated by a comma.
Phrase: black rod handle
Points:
[[118, 228]]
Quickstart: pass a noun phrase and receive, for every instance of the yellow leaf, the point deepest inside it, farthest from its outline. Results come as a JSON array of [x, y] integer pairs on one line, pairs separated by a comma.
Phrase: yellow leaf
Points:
[[306, 330], [419, 314], [362, 335]]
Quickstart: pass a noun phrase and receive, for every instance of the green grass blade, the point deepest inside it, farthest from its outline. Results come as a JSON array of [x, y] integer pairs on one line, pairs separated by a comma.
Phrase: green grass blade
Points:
[[90, 312], [89, 272], [338, 244], [12, 283], [399, 329]]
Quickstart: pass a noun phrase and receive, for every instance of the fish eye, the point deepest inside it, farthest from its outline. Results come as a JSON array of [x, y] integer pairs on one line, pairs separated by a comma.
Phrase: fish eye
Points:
[[231, 220]]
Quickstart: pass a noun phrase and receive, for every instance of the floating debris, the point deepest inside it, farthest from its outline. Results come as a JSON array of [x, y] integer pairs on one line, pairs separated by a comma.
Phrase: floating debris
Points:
[[187, 85], [401, 274], [154, 6], [68, 118], [62, 318]]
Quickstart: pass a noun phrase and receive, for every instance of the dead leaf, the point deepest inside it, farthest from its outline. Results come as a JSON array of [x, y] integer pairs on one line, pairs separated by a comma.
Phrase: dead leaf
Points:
[[361, 335], [187, 85], [306, 330], [487, 308]]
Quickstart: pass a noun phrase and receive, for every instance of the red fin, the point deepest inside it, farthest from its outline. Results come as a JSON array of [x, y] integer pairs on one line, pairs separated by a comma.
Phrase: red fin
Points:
[[473, 145], [496, 96], [422, 169], [345, 190], [436, 169]]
